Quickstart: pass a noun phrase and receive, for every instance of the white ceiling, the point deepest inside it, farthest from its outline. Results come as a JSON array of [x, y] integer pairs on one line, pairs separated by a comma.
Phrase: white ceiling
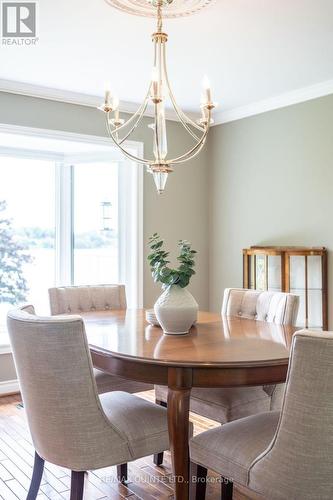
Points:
[[251, 50]]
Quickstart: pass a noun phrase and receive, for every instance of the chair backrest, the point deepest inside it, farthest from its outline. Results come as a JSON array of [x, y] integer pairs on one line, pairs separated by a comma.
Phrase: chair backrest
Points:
[[273, 307], [77, 299], [66, 420], [298, 464]]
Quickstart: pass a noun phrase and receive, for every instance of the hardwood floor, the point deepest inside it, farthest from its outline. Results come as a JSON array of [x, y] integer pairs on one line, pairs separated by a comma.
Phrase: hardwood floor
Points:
[[146, 481]]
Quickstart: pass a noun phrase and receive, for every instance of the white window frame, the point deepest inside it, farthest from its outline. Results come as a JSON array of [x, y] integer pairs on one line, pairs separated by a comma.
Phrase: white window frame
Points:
[[130, 204]]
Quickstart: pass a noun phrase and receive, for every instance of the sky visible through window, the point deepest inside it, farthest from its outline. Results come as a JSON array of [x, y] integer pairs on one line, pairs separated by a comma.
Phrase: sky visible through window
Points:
[[28, 189]]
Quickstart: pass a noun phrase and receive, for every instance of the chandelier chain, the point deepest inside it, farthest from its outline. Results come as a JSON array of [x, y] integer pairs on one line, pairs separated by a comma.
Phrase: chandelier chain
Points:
[[159, 17]]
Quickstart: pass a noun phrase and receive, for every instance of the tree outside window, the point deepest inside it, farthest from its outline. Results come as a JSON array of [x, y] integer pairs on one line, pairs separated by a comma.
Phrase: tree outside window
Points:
[[13, 256]]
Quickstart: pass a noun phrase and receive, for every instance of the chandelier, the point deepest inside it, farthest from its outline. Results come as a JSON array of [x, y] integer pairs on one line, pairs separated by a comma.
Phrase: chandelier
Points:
[[159, 165]]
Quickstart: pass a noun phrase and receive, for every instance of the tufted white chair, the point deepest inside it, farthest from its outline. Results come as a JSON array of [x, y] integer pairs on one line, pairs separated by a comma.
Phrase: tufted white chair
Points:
[[80, 299], [77, 299], [71, 425], [273, 307], [225, 405]]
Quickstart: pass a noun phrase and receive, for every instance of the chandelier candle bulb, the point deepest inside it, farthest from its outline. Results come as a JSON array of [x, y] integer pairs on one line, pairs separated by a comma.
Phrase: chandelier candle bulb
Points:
[[207, 91], [155, 85], [107, 100]]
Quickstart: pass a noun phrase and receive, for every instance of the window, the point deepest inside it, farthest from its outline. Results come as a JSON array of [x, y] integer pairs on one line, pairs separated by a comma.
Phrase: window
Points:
[[70, 213], [95, 223], [27, 233]]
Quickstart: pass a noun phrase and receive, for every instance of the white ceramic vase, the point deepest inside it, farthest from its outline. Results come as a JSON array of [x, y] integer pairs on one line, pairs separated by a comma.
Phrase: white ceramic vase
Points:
[[176, 310]]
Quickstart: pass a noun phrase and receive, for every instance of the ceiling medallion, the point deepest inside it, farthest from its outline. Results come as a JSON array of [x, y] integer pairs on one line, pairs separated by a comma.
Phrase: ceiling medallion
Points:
[[159, 92], [177, 8]]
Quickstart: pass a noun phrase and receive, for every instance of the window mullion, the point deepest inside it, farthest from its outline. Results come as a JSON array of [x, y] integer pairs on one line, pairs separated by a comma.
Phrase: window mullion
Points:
[[64, 224]]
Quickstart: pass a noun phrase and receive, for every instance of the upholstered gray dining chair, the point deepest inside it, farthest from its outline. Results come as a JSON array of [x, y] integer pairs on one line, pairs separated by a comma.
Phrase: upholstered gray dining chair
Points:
[[80, 299], [87, 298], [280, 455], [225, 405], [71, 425]]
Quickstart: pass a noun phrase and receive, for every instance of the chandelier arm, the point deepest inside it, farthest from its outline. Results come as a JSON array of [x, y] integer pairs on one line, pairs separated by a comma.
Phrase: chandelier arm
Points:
[[180, 113], [143, 161], [182, 121], [185, 156], [135, 124], [138, 111], [193, 155]]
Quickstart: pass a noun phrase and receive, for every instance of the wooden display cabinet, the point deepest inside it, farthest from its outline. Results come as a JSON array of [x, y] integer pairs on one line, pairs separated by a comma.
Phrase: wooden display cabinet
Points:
[[298, 270]]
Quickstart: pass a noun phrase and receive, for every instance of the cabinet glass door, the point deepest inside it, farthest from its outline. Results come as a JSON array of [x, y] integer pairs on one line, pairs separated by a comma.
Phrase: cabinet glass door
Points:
[[306, 281], [274, 273], [315, 305]]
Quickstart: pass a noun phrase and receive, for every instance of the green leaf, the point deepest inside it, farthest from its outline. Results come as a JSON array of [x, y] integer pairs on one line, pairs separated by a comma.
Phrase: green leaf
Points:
[[158, 262]]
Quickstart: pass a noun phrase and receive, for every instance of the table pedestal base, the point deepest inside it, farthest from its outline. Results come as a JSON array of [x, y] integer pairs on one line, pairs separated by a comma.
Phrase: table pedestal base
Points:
[[179, 390]]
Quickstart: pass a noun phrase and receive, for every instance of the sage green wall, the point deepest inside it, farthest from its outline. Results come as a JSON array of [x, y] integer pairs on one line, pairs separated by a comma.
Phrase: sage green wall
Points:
[[271, 183], [181, 212]]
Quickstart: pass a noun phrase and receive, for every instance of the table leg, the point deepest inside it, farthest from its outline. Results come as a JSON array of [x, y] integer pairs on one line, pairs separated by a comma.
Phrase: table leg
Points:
[[179, 390]]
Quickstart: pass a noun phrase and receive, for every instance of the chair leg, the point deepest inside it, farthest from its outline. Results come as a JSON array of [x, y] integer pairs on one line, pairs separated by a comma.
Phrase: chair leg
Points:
[[226, 489], [77, 485], [122, 473], [158, 457], [36, 477], [198, 482]]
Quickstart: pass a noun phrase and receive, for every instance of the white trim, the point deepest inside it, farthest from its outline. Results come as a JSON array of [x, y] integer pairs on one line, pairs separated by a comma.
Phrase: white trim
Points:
[[63, 224], [69, 97], [61, 135], [139, 229], [95, 156], [31, 154], [9, 387], [130, 224], [5, 349], [85, 157], [281, 101]]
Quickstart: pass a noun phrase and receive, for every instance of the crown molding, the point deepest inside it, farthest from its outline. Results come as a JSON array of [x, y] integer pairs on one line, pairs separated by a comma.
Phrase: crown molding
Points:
[[281, 101], [69, 97]]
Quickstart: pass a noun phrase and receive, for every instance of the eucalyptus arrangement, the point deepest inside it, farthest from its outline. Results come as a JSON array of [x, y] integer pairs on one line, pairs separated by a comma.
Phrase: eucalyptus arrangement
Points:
[[158, 261], [176, 309]]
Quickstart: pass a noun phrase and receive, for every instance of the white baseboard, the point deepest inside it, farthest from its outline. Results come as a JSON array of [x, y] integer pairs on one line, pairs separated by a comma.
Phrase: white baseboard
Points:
[[9, 387]]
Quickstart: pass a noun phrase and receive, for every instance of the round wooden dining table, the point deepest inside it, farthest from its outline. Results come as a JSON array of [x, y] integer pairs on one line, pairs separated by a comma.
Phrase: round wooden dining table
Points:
[[218, 351]]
